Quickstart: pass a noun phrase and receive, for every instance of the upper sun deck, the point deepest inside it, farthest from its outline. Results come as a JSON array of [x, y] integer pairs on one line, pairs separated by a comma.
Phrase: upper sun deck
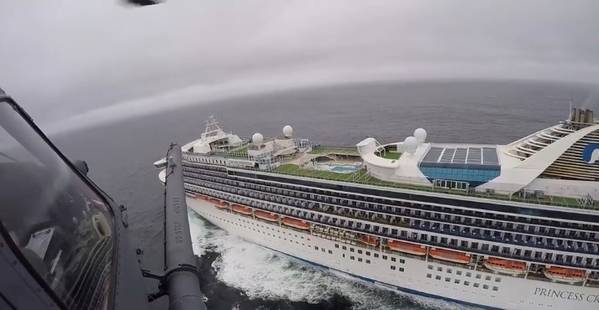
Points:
[[472, 170], [360, 177]]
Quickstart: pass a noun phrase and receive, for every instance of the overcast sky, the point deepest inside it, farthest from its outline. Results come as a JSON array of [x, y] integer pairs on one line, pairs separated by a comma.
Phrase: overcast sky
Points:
[[80, 62]]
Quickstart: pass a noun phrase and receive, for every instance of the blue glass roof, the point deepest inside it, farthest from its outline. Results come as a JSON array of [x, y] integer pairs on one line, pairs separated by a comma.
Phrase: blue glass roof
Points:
[[479, 157]]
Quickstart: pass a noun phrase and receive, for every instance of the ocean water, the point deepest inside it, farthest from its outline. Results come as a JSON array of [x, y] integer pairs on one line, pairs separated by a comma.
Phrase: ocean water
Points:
[[241, 275]]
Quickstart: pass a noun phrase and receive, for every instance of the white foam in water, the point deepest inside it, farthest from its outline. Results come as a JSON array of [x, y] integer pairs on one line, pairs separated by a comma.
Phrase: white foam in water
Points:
[[262, 273]]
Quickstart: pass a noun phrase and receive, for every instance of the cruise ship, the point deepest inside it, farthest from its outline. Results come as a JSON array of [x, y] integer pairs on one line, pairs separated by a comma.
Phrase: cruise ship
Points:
[[511, 226]]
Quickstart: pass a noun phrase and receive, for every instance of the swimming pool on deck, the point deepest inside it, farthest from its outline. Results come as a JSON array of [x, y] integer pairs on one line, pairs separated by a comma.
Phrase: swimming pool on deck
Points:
[[339, 168]]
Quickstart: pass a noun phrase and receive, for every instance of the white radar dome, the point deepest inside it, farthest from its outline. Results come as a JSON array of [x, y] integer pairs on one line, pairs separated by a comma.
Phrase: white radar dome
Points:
[[401, 147], [288, 131], [257, 138], [411, 143], [420, 135]]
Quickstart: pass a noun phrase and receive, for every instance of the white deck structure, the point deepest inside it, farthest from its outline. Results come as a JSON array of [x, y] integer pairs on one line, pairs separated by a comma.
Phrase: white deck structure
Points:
[[557, 161]]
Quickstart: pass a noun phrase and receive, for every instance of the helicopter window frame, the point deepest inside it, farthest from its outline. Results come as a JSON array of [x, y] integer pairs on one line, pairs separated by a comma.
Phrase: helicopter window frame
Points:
[[108, 203]]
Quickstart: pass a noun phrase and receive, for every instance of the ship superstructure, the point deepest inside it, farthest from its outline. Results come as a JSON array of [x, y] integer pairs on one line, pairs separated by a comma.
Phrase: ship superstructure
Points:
[[499, 226]]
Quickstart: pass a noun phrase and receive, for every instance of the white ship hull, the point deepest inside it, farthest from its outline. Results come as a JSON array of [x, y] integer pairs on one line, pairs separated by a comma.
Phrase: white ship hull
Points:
[[412, 275]]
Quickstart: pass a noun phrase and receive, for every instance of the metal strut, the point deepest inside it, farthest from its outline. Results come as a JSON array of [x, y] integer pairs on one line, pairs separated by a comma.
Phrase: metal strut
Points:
[[180, 281]]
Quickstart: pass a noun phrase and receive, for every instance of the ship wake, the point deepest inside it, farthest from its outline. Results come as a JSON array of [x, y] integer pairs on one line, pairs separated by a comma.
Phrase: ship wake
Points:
[[265, 274]]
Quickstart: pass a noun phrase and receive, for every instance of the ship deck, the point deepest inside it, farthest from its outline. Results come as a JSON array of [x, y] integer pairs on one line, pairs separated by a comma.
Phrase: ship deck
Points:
[[362, 177], [294, 166]]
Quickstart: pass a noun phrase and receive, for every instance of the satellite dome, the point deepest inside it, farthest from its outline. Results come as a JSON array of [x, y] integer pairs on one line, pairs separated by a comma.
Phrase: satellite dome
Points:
[[420, 135], [288, 131], [401, 147], [411, 143], [257, 138]]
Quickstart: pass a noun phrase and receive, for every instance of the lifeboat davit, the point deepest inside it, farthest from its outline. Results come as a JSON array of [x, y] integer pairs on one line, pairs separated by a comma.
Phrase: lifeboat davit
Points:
[[295, 223], [242, 209], [191, 195], [450, 256], [505, 266], [564, 274], [222, 204], [267, 216], [370, 240], [406, 247]]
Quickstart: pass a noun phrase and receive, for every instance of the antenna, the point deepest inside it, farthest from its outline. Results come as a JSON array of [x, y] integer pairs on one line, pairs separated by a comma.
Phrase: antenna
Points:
[[570, 112], [211, 124]]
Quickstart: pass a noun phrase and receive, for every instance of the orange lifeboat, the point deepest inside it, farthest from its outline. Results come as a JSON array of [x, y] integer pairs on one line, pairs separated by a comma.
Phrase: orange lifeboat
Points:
[[242, 209], [295, 223], [222, 204], [267, 216], [406, 247], [450, 256], [369, 240], [506, 266], [564, 274]]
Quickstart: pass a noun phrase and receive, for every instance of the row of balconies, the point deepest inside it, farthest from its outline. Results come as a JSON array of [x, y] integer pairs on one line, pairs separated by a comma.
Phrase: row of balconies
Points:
[[324, 195], [433, 239], [506, 227], [450, 229]]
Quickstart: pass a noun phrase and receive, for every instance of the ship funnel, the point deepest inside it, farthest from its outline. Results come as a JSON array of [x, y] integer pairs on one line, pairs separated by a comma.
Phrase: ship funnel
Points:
[[581, 116]]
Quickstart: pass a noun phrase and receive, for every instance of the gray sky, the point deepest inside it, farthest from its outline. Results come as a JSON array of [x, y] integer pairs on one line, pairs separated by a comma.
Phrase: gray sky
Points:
[[75, 63]]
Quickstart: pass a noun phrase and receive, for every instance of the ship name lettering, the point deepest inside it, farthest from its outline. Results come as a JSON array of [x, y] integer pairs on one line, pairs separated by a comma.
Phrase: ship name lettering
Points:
[[568, 295]]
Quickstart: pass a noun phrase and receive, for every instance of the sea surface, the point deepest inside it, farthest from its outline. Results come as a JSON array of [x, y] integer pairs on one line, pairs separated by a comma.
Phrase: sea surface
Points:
[[241, 275]]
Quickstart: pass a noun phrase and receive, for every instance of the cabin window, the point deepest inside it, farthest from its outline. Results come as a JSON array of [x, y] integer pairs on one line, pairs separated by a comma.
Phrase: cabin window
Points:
[[375, 255], [392, 267], [466, 283]]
